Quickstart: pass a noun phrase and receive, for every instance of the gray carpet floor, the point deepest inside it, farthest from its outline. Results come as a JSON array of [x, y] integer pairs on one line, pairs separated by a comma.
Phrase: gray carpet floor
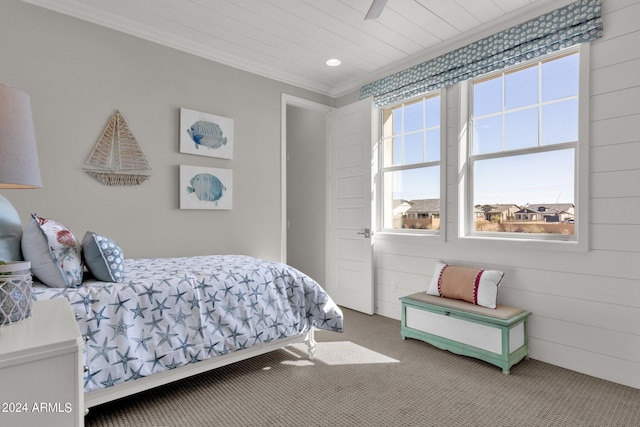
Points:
[[369, 376]]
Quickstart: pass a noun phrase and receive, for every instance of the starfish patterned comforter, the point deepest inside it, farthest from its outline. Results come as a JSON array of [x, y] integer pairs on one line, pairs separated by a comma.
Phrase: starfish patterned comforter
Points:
[[170, 312]]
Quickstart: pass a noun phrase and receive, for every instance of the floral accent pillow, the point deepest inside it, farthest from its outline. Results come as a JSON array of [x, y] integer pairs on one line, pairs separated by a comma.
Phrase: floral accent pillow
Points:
[[103, 257], [54, 252]]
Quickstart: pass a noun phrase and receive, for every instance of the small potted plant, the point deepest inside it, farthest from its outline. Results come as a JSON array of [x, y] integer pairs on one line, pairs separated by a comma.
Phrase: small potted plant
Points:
[[15, 291]]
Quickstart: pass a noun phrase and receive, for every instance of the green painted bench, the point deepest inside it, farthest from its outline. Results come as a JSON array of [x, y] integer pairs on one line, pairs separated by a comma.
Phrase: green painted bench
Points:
[[497, 336]]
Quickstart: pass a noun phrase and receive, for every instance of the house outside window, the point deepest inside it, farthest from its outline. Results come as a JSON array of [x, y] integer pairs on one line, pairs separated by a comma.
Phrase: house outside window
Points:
[[410, 158], [522, 150]]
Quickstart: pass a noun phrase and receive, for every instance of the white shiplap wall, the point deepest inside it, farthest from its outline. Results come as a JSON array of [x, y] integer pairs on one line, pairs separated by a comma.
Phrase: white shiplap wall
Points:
[[585, 305]]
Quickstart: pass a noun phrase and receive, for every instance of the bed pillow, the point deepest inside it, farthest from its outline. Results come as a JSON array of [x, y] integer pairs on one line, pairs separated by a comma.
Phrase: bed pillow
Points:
[[476, 286], [54, 252], [103, 257], [10, 232]]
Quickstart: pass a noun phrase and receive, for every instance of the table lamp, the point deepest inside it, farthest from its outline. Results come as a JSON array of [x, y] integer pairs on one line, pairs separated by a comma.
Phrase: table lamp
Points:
[[18, 169], [18, 162]]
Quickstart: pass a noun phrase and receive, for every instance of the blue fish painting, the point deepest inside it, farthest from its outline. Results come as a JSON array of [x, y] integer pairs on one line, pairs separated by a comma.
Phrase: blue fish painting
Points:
[[206, 187], [207, 134]]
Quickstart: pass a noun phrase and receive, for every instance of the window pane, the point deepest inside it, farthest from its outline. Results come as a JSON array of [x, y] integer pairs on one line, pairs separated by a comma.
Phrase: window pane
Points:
[[531, 178], [392, 155], [413, 148], [487, 135], [397, 121], [487, 97], [413, 116], [521, 88], [433, 145], [412, 199], [397, 150], [433, 112], [521, 129], [532, 193], [560, 122], [560, 78]]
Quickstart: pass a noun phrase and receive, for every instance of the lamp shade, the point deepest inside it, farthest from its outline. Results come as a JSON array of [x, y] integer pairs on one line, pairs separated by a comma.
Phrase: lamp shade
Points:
[[19, 166]]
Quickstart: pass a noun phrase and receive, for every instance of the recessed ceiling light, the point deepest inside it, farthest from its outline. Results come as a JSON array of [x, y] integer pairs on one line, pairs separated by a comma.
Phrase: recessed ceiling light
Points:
[[333, 62]]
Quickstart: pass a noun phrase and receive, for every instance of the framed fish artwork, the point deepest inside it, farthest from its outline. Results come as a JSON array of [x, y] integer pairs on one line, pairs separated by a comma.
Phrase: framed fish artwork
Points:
[[206, 134], [205, 188]]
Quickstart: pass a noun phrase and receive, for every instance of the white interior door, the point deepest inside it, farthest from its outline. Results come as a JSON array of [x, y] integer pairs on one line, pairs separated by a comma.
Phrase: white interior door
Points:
[[349, 243]]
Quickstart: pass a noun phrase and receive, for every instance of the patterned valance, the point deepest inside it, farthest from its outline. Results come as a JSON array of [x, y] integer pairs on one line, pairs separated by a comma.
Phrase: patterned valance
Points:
[[576, 23]]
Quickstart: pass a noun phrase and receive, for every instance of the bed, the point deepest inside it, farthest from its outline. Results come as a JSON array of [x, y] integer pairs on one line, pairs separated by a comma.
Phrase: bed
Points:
[[170, 318]]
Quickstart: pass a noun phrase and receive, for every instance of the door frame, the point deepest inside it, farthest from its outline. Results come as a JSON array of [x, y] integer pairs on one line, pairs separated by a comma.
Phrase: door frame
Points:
[[294, 101]]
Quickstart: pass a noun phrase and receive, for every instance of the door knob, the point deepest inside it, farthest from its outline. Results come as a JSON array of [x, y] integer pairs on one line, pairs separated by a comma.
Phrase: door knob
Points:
[[366, 233]]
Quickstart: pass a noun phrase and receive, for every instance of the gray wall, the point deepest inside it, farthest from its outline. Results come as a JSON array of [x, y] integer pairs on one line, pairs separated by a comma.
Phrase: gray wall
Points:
[[77, 74], [306, 191]]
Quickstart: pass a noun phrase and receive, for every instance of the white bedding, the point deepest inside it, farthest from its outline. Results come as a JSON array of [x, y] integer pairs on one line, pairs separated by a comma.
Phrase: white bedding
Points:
[[169, 312]]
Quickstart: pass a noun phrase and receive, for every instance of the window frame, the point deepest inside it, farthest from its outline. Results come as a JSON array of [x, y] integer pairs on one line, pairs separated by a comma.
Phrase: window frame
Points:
[[380, 169], [579, 240]]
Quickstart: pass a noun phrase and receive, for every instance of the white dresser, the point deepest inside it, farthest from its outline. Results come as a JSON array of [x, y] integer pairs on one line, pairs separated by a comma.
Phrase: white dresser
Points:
[[41, 368]]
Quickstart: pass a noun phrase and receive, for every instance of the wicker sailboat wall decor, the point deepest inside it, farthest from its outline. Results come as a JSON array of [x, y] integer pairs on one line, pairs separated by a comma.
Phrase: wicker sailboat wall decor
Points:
[[117, 158]]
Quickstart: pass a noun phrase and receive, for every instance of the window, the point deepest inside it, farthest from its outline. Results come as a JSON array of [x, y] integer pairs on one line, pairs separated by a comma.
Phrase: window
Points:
[[410, 159], [523, 149]]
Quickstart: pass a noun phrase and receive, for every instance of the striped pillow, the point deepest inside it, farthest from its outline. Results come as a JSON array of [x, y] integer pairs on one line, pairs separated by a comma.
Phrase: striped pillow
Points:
[[476, 286]]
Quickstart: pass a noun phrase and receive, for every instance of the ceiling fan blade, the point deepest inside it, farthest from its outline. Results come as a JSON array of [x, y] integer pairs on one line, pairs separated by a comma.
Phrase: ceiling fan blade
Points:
[[376, 9]]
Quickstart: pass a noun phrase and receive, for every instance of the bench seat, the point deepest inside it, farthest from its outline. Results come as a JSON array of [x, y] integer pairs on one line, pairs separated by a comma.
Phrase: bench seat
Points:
[[497, 336]]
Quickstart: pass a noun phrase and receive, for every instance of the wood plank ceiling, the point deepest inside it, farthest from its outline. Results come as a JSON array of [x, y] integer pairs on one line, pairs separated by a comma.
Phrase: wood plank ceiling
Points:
[[290, 40]]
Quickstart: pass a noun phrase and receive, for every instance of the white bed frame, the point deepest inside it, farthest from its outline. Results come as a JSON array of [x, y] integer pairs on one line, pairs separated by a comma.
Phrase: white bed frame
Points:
[[121, 390]]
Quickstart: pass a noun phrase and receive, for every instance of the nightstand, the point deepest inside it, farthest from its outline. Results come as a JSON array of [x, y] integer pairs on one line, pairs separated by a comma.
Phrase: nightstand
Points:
[[41, 368]]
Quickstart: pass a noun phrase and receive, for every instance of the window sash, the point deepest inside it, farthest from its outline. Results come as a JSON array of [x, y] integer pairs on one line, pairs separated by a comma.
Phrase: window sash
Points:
[[469, 216], [386, 205]]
